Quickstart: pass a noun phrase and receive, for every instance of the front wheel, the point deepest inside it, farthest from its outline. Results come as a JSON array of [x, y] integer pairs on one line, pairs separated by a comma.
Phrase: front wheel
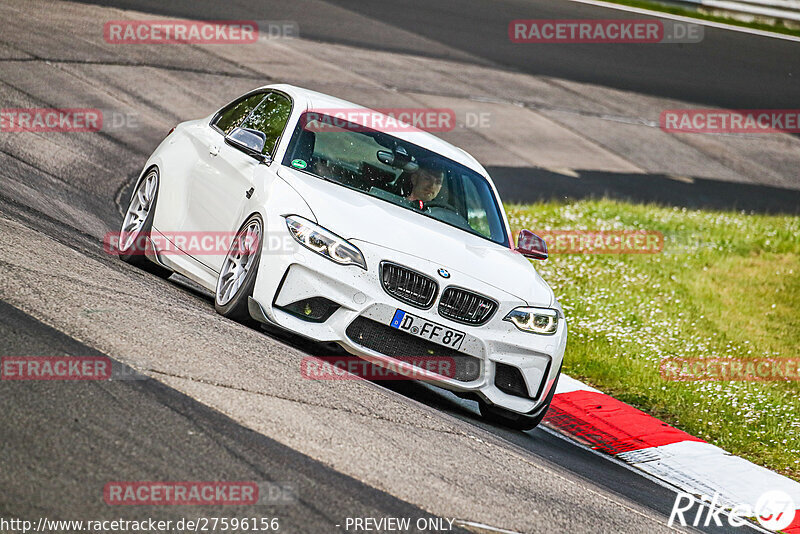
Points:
[[517, 421], [137, 225], [237, 277]]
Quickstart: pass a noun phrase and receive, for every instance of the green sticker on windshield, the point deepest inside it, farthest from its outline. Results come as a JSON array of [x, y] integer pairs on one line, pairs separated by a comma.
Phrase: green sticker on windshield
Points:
[[299, 164]]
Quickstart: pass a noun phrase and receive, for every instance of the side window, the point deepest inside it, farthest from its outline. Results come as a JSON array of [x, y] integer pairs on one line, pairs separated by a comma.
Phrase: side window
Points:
[[230, 117], [270, 117]]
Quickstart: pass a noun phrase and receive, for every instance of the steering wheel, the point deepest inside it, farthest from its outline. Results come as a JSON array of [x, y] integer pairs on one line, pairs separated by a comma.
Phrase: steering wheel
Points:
[[439, 204]]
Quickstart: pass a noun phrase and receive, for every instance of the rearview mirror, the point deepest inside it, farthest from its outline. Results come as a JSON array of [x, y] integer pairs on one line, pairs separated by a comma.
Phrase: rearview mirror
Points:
[[398, 159], [249, 141], [531, 245]]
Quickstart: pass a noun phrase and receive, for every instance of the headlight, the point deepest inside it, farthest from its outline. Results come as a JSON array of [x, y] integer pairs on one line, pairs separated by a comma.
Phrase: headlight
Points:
[[536, 320], [323, 242]]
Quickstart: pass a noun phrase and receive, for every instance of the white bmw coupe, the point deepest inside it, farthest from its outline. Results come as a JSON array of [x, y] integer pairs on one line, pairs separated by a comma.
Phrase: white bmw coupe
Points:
[[388, 241]]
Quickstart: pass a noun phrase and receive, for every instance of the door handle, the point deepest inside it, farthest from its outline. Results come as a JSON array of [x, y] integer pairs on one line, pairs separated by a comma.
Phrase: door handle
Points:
[[214, 150]]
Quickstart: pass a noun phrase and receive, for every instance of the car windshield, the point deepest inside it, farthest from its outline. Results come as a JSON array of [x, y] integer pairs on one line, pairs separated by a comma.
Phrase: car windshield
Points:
[[396, 171]]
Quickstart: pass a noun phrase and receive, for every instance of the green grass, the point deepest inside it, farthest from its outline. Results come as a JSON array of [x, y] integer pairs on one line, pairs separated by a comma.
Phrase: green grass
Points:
[[778, 27], [726, 285]]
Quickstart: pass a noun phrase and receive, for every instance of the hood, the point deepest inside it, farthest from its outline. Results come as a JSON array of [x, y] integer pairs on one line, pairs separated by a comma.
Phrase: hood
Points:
[[359, 217]]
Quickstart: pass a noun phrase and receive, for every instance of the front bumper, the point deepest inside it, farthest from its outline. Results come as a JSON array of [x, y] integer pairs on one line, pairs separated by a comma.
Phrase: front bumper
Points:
[[297, 274]]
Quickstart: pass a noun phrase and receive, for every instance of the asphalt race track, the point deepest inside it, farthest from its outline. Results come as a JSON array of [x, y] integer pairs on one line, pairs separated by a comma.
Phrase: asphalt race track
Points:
[[221, 401], [141, 430], [726, 70]]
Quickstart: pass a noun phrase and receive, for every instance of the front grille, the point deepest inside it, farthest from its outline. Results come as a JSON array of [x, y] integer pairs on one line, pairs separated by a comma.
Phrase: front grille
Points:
[[408, 286], [465, 306], [391, 342], [508, 379]]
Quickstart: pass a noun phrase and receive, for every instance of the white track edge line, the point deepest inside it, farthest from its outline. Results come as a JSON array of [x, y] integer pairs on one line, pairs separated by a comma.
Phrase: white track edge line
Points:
[[464, 522], [711, 24], [664, 483]]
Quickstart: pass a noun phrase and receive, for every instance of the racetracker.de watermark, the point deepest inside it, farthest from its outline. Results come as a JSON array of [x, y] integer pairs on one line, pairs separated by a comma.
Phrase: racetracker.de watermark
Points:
[[15, 120], [381, 119], [69, 368], [404, 368], [197, 31], [55, 368], [180, 493], [197, 493], [602, 241], [730, 369], [194, 243], [719, 121], [50, 120], [603, 31]]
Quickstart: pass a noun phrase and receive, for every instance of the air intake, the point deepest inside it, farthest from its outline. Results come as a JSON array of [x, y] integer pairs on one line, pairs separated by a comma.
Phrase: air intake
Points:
[[508, 379]]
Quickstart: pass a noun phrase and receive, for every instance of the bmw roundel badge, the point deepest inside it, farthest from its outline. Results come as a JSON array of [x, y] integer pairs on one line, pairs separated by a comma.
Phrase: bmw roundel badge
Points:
[[443, 273]]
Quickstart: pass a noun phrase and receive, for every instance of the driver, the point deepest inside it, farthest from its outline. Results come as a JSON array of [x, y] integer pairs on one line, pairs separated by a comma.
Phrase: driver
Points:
[[425, 185]]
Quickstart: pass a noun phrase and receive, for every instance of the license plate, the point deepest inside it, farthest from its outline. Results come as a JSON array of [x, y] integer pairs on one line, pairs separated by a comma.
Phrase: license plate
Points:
[[417, 326]]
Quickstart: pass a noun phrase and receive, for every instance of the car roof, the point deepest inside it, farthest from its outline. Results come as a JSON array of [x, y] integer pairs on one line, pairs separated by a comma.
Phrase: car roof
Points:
[[308, 99]]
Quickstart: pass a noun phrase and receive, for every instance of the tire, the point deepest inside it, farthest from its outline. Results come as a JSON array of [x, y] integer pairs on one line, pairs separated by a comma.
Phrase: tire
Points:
[[138, 223], [237, 276], [514, 420]]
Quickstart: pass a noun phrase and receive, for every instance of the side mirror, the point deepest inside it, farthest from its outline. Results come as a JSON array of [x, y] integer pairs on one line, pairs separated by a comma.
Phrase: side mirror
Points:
[[531, 245], [249, 141]]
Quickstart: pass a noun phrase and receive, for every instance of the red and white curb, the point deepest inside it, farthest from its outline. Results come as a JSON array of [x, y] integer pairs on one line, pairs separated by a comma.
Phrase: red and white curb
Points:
[[680, 459]]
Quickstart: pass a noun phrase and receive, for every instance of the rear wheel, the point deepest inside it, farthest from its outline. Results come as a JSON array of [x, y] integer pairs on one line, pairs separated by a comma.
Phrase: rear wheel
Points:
[[518, 421], [138, 223], [237, 278]]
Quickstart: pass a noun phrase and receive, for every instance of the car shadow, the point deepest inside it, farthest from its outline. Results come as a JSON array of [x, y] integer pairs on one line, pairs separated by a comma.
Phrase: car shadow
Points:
[[533, 184]]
